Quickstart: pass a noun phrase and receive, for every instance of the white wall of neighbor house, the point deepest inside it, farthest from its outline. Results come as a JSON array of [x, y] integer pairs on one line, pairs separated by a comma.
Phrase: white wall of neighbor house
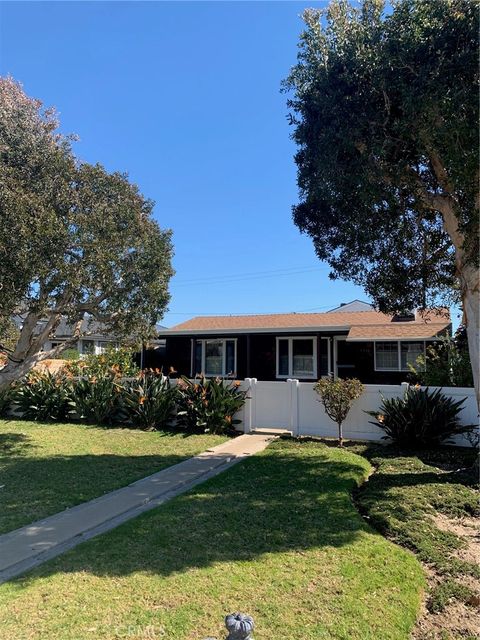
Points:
[[294, 406], [85, 346]]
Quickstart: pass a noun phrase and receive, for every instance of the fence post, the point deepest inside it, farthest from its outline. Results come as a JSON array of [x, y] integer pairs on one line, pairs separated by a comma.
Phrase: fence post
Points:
[[249, 412], [294, 423]]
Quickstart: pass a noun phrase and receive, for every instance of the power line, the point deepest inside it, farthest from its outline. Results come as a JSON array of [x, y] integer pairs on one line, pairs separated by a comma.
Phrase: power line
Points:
[[226, 279], [238, 313]]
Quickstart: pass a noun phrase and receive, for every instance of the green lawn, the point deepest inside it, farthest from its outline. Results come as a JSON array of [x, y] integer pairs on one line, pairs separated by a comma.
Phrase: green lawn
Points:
[[277, 536], [45, 468]]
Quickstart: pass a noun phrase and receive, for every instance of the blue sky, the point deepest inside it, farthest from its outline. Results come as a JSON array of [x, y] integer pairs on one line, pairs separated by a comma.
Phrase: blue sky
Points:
[[185, 98]]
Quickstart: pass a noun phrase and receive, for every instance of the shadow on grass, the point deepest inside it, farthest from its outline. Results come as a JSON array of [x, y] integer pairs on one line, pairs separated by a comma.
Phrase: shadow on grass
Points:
[[276, 502], [34, 488], [15, 444]]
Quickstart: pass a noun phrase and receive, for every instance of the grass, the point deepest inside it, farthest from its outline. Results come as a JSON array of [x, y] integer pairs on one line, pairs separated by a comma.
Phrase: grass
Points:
[[277, 536], [45, 468], [402, 499]]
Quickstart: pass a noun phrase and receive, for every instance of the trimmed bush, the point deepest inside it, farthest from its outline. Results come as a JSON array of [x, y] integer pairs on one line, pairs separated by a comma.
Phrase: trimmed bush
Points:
[[148, 402], [208, 404], [337, 396], [422, 418], [44, 396]]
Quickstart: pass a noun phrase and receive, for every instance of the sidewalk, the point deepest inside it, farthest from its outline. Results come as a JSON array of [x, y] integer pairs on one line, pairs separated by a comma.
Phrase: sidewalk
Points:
[[25, 548]]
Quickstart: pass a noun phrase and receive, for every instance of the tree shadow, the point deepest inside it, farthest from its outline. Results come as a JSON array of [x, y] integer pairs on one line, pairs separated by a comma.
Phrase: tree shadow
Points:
[[15, 444], [34, 488], [266, 504]]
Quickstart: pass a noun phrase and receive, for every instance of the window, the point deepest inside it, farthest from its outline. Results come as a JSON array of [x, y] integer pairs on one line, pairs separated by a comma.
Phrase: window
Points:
[[296, 357], [215, 357], [396, 356], [103, 345], [409, 352], [386, 354], [88, 346]]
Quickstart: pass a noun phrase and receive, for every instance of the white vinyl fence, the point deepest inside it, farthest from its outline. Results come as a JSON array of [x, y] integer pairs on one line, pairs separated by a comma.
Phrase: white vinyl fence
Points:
[[294, 406]]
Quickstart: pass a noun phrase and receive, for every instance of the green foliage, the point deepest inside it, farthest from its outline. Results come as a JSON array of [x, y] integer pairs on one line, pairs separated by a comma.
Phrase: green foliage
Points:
[[385, 113], [148, 401], [337, 396], [422, 418], [70, 354], [447, 591], [116, 362], [96, 399], [44, 396], [446, 364], [6, 398], [74, 238], [208, 404]]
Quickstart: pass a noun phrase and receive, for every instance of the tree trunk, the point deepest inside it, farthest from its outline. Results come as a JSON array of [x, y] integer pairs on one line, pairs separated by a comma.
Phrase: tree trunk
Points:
[[471, 310], [340, 434]]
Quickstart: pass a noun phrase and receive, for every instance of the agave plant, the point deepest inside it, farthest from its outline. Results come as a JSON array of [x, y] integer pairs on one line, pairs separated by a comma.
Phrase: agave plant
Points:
[[44, 396], [149, 401], [421, 418], [208, 404]]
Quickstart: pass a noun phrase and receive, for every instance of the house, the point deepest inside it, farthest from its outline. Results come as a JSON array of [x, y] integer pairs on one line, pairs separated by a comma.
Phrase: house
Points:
[[97, 340], [352, 340]]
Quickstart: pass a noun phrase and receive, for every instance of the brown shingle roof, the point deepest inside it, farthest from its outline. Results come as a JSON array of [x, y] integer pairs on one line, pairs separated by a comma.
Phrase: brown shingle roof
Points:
[[341, 320], [397, 331]]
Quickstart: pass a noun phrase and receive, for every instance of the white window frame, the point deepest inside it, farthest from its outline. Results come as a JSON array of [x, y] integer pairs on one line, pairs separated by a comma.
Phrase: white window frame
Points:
[[290, 357], [224, 357], [399, 353]]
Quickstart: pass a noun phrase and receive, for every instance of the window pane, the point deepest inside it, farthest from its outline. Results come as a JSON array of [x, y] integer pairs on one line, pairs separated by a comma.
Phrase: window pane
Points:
[[87, 346], [302, 358], [386, 355], [230, 358], [214, 358], [409, 352], [198, 358], [283, 358]]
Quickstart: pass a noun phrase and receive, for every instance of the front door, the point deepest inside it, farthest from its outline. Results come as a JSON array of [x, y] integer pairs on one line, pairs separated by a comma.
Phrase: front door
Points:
[[344, 361]]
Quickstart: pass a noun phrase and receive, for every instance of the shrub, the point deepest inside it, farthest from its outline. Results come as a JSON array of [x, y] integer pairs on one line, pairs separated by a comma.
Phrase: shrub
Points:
[[96, 400], [69, 354], [114, 362], [44, 396], [208, 404], [337, 396], [446, 364], [6, 397], [422, 418], [148, 401]]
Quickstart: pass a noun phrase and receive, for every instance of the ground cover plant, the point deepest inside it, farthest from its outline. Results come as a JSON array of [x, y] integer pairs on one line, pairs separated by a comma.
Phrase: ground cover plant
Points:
[[277, 536], [45, 468], [427, 501]]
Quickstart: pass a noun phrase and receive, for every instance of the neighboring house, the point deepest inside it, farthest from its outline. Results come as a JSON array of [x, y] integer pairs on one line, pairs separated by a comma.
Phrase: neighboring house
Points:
[[97, 341], [352, 340]]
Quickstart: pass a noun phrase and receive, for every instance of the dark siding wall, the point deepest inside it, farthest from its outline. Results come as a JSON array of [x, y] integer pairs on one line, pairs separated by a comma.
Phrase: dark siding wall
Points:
[[361, 355], [178, 355], [262, 356]]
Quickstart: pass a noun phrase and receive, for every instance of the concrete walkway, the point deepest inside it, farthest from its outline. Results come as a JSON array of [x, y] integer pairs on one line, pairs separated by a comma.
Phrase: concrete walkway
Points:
[[25, 548]]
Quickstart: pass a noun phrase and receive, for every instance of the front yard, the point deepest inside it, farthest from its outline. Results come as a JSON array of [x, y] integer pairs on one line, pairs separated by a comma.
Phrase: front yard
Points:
[[277, 536], [45, 468]]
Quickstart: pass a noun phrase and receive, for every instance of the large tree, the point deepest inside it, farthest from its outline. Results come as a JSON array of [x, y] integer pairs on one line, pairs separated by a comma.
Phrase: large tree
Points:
[[384, 106], [75, 240]]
